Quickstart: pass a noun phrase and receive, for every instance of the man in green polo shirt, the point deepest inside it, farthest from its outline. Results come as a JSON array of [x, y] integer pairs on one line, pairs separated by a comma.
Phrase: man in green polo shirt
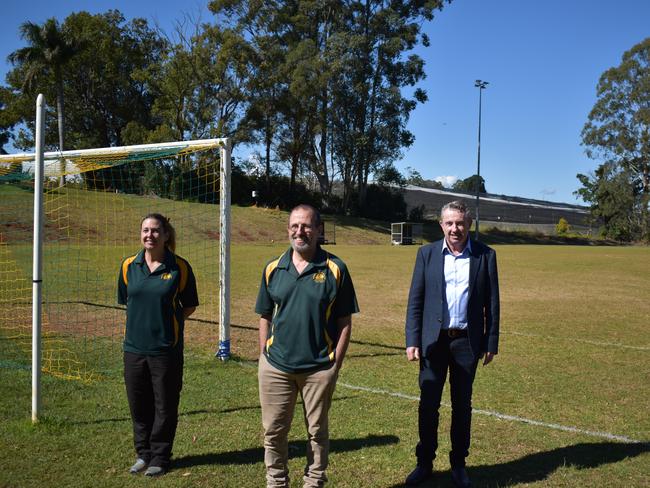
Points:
[[306, 301]]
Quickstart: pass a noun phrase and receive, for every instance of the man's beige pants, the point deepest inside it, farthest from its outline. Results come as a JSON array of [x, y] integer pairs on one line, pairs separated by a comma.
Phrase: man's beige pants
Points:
[[278, 394]]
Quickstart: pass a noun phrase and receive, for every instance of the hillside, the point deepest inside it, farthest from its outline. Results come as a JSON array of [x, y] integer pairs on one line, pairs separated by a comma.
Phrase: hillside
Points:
[[80, 216], [77, 214]]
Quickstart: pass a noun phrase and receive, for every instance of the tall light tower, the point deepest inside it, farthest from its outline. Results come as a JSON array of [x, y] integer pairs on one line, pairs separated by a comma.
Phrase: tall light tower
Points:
[[480, 84]]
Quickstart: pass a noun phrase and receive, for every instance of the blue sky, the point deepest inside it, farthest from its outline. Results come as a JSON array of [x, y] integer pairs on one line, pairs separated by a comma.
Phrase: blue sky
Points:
[[542, 60]]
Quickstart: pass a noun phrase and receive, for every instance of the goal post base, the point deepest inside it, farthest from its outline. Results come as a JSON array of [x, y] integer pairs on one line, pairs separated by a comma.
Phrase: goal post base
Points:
[[223, 352]]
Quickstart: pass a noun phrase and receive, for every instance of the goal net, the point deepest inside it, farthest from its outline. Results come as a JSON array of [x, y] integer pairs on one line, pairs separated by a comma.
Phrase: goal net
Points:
[[91, 223]]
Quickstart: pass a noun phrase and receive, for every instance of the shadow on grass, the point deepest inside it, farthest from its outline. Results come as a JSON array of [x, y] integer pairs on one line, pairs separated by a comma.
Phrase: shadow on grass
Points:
[[372, 355], [539, 466], [296, 450], [379, 344], [189, 413], [245, 407]]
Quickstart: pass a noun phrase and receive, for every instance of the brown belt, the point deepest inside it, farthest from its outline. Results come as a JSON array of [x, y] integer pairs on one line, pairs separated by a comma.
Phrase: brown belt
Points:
[[454, 333]]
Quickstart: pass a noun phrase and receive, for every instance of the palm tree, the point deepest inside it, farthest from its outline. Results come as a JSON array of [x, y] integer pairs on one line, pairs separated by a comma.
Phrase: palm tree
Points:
[[48, 50]]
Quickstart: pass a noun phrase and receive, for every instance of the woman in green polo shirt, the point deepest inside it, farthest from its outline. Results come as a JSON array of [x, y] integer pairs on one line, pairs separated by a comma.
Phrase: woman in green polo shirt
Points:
[[159, 291]]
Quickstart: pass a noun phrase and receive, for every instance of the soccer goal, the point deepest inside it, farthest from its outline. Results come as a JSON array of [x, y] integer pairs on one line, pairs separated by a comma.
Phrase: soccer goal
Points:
[[65, 257]]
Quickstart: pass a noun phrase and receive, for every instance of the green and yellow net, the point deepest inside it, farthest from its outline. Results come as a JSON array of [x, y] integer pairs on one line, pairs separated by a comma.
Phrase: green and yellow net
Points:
[[91, 223]]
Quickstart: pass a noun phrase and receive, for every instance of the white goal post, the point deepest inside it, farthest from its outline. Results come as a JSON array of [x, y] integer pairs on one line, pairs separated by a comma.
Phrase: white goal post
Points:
[[44, 165]]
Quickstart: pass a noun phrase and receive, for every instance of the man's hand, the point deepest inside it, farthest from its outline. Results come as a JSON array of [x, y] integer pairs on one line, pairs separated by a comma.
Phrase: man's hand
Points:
[[413, 353], [487, 358]]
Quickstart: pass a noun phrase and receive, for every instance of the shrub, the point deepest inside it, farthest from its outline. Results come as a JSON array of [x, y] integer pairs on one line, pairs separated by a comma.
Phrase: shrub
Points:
[[562, 228]]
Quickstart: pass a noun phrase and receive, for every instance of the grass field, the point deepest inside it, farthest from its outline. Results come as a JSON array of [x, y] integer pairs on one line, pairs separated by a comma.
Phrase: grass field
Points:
[[565, 403]]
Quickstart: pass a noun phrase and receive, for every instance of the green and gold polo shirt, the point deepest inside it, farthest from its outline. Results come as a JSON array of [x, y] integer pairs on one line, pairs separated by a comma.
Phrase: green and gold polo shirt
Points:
[[154, 302], [304, 310]]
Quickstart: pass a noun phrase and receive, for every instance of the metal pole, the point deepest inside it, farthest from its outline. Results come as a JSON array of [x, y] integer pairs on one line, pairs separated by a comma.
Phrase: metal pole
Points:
[[223, 352], [480, 85], [37, 261]]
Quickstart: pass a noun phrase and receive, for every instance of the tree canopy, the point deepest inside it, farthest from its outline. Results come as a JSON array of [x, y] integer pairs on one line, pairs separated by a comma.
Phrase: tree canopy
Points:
[[326, 88], [470, 184], [48, 51], [617, 134], [328, 97]]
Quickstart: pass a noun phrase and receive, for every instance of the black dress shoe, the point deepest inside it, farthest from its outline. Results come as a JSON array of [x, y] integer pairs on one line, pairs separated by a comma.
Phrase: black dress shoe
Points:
[[460, 478], [418, 475]]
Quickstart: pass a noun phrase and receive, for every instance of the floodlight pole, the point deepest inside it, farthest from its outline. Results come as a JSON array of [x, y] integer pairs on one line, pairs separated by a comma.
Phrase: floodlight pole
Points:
[[480, 85], [37, 265]]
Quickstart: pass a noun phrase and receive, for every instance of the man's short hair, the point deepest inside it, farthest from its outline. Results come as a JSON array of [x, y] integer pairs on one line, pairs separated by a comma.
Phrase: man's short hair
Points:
[[459, 206], [313, 210]]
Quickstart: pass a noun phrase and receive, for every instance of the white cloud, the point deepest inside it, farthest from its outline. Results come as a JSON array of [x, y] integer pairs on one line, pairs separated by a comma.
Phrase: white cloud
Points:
[[447, 181]]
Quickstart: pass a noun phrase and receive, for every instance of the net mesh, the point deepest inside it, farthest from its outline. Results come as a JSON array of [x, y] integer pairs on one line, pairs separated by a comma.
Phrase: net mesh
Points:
[[91, 224]]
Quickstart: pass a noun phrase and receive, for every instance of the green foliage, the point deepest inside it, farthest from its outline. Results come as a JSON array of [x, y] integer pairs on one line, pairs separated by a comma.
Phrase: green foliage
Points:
[[413, 177], [616, 197], [469, 185], [5, 119], [319, 85], [102, 95], [562, 227], [326, 88], [47, 55], [617, 133], [436, 185], [390, 175]]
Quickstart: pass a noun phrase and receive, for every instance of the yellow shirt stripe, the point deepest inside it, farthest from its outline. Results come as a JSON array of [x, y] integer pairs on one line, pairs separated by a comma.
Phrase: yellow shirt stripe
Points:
[[270, 268], [184, 273], [125, 268], [336, 272]]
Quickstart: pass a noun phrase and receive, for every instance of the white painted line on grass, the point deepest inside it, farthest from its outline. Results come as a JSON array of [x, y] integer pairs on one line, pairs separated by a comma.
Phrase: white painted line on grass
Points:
[[489, 413], [574, 339], [513, 418]]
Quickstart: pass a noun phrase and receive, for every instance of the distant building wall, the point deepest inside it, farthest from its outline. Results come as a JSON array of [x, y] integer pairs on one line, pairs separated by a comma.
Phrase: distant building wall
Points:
[[499, 208]]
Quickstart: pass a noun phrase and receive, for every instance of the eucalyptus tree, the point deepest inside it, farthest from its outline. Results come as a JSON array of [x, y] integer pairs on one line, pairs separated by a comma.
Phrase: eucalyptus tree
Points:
[[617, 131], [371, 109], [336, 81]]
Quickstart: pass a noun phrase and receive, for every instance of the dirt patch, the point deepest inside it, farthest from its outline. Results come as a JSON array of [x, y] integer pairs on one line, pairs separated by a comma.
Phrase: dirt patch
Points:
[[245, 236]]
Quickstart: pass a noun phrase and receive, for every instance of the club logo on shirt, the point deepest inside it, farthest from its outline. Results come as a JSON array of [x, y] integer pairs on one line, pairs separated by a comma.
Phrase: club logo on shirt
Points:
[[319, 277], [166, 276]]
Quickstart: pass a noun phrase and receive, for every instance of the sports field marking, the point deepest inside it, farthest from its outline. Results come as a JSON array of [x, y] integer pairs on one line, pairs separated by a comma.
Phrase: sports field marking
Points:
[[512, 418], [584, 341], [489, 413]]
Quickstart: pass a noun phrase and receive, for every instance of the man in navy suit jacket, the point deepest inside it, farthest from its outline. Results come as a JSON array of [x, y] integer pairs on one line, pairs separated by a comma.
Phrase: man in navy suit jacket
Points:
[[452, 321]]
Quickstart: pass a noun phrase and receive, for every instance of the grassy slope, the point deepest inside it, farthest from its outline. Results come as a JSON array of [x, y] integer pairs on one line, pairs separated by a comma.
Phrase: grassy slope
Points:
[[574, 352]]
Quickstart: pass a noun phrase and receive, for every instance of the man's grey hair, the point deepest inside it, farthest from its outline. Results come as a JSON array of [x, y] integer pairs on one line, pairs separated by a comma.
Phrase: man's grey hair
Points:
[[304, 206], [459, 206]]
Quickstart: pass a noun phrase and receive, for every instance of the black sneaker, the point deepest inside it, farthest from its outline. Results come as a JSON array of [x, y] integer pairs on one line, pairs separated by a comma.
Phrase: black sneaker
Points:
[[418, 475]]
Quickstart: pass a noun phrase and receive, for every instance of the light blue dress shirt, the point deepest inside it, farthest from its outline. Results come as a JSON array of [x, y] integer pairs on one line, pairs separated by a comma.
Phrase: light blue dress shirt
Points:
[[456, 286]]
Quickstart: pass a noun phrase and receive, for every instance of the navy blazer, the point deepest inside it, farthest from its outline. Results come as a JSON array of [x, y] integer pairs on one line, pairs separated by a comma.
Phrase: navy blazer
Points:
[[426, 304]]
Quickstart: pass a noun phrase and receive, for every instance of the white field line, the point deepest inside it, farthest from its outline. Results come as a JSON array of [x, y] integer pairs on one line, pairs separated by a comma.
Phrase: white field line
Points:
[[574, 339], [489, 413], [501, 416]]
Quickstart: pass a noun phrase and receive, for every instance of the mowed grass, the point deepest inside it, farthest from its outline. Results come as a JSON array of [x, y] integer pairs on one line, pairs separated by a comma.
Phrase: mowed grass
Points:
[[574, 353]]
